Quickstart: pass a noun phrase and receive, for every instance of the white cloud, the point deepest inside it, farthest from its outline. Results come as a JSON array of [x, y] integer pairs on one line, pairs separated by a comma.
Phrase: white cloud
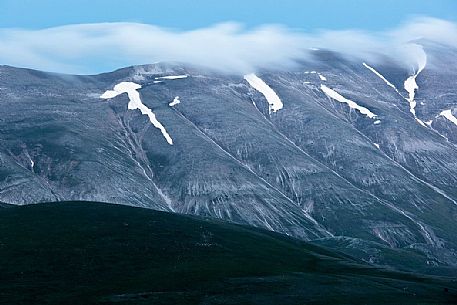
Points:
[[92, 48]]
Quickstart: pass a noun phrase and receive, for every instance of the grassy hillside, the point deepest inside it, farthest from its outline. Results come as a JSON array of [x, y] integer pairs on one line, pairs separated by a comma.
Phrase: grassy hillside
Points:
[[93, 253]]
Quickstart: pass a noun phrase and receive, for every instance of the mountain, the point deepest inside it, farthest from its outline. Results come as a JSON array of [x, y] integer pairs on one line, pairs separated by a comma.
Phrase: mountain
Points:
[[356, 154], [92, 253]]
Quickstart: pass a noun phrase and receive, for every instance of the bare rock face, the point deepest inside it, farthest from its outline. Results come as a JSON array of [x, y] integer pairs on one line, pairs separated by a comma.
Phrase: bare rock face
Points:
[[340, 156]]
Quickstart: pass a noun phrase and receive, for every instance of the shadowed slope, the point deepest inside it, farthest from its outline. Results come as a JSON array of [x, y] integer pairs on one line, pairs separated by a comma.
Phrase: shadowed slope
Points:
[[92, 253]]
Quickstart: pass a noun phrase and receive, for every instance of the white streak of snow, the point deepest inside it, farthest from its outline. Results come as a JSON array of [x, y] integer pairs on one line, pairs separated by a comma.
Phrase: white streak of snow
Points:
[[377, 145], [377, 122], [173, 77], [381, 76], [32, 163], [411, 86], [322, 77], [272, 98], [136, 103], [109, 94], [421, 122], [448, 115], [175, 101], [338, 97]]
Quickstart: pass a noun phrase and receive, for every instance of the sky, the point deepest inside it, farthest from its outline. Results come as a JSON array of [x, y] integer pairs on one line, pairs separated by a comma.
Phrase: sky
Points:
[[192, 14], [93, 36]]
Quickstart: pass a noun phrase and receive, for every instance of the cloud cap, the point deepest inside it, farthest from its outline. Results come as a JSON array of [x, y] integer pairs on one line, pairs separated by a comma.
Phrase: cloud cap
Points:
[[227, 47]]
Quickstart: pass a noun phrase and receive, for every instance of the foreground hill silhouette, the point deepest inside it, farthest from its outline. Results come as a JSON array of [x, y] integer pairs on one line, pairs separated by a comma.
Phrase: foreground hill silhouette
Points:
[[94, 253]]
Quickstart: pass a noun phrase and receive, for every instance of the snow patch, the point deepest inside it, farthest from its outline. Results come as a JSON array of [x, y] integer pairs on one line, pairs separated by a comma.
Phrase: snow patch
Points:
[[339, 98], [272, 98], [421, 122], [175, 101], [381, 77], [448, 115], [411, 86], [429, 123], [377, 122], [109, 94], [377, 145], [173, 77], [322, 77], [135, 103]]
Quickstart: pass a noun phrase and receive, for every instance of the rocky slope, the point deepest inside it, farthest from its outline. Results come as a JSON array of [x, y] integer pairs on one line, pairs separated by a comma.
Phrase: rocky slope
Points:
[[333, 148]]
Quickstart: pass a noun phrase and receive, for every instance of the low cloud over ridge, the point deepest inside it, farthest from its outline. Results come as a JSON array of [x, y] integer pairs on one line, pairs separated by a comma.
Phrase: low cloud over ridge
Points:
[[228, 47]]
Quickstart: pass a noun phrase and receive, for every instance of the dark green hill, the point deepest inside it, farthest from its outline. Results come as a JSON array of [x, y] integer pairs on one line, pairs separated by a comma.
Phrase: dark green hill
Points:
[[93, 253]]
